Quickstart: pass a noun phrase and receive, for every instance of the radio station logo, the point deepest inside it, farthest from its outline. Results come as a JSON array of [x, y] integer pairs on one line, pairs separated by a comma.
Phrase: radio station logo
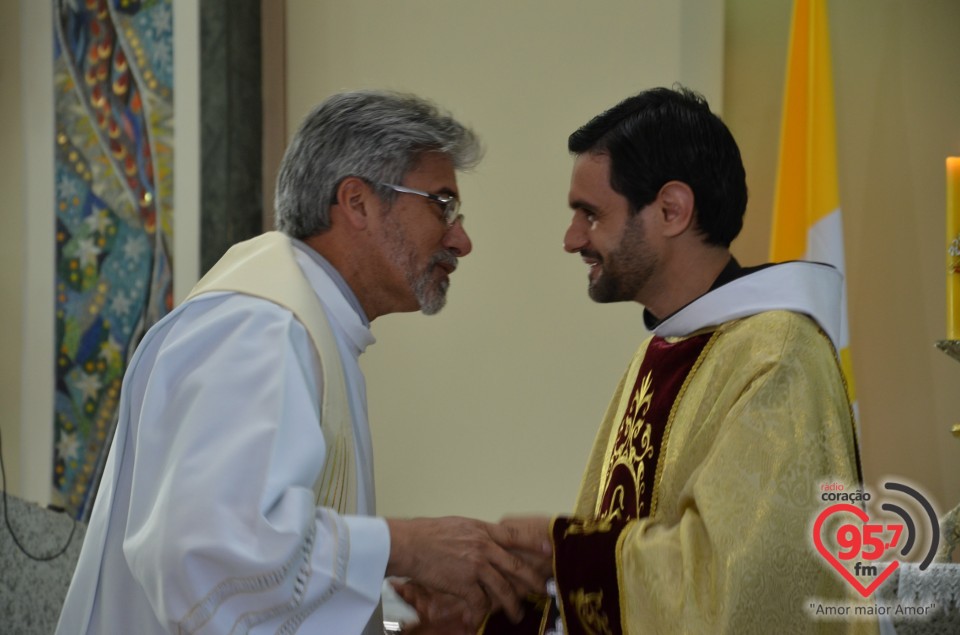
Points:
[[866, 548]]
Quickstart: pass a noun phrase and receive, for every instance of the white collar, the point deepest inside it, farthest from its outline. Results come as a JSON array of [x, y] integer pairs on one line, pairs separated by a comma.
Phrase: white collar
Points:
[[811, 288], [338, 307]]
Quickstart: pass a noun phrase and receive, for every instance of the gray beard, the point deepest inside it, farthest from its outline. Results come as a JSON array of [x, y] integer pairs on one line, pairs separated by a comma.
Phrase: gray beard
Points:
[[432, 296]]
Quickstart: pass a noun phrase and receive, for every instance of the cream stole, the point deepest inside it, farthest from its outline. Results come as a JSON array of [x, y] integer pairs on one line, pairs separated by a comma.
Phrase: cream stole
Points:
[[265, 267]]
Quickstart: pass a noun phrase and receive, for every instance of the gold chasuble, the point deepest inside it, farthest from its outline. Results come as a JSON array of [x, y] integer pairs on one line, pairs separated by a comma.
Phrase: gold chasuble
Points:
[[695, 509], [266, 267], [628, 482]]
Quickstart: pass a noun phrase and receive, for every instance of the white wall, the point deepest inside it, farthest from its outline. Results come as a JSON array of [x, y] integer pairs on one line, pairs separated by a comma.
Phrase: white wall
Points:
[[491, 406], [11, 240], [39, 200]]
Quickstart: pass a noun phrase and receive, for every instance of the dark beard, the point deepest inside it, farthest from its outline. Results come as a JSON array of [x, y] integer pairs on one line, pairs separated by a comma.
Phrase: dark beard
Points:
[[627, 269]]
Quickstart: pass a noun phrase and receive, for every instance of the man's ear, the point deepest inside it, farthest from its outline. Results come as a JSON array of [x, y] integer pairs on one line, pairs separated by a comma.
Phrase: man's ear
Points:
[[355, 201], [676, 203]]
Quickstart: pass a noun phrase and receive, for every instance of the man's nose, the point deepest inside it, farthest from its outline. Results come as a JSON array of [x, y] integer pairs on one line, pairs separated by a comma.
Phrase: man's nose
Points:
[[457, 240], [576, 236]]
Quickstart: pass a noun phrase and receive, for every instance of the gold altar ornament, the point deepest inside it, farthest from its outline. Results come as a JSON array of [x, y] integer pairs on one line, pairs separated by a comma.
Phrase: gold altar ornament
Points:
[[951, 348]]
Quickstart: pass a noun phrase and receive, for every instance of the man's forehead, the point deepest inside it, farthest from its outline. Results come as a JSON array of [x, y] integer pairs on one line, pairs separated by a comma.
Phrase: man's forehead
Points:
[[590, 178], [435, 166]]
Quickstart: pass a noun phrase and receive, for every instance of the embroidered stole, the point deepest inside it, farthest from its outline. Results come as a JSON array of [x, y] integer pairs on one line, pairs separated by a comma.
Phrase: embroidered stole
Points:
[[266, 267], [586, 550], [633, 466]]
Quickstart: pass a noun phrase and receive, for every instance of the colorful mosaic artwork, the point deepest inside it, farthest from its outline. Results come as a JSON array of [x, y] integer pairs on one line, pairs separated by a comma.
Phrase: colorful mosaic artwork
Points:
[[113, 73]]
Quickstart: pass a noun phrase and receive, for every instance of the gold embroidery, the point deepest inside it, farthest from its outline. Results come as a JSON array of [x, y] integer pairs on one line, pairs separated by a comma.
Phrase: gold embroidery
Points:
[[625, 454], [587, 527], [590, 612]]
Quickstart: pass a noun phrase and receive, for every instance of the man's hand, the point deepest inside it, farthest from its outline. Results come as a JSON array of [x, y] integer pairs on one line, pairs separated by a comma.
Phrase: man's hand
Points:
[[437, 612], [535, 531], [474, 561]]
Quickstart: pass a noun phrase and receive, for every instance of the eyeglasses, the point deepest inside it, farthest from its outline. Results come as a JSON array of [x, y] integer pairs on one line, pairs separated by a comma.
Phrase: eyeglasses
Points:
[[450, 205]]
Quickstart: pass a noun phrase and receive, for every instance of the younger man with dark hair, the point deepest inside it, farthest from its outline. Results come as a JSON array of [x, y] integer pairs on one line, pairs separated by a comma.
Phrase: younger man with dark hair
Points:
[[695, 509]]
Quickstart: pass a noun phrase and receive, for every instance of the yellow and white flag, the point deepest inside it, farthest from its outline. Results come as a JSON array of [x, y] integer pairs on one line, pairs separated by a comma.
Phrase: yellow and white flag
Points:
[[806, 214]]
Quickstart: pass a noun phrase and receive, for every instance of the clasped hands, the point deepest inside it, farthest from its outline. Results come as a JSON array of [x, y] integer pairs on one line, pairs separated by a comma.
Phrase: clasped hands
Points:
[[456, 569]]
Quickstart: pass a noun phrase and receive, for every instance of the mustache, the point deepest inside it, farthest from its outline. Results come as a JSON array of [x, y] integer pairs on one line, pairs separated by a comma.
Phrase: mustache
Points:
[[589, 253]]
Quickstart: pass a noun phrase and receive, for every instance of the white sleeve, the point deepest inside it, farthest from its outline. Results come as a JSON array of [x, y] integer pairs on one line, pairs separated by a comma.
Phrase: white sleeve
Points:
[[223, 531]]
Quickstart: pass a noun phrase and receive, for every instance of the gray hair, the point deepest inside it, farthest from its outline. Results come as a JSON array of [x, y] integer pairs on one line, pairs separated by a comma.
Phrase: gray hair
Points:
[[375, 135]]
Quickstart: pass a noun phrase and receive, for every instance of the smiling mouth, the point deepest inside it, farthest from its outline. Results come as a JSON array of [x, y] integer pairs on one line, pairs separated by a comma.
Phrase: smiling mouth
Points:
[[593, 262], [594, 272]]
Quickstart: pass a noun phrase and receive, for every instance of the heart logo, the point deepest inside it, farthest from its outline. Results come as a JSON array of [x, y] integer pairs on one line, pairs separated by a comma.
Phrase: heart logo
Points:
[[865, 591]]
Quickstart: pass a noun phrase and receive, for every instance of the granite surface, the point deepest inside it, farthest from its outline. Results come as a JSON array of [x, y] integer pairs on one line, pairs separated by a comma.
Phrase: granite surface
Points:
[[32, 592]]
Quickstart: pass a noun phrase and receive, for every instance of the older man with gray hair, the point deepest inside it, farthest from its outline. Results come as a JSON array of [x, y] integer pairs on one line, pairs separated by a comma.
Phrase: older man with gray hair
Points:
[[239, 496]]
